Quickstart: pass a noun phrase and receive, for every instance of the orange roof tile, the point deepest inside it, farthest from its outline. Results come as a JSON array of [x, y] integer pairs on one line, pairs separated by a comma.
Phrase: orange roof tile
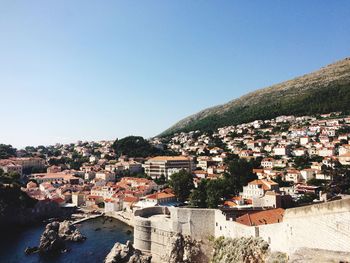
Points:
[[170, 158], [262, 217]]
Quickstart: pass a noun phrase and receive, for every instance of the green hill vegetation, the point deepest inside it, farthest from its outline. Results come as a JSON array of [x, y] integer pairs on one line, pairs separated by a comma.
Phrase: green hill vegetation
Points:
[[323, 91], [137, 146]]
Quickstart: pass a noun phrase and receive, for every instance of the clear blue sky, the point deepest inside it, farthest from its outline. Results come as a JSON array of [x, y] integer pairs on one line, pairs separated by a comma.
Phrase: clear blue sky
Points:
[[95, 70]]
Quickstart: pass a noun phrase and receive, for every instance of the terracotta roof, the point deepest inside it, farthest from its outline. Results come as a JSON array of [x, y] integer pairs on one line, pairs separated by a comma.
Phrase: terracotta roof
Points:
[[130, 199], [170, 158], [345, 155], [199, 172], [293, 171], [265, 184], [54, 175], [160, 195], [6, 162], [262, 217], [168, 190], [230, 203], [135, 179]]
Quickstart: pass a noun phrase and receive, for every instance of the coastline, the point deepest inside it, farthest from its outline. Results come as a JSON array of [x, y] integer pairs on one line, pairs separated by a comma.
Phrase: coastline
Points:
[[95, 248], [86, 218], [125, 217]]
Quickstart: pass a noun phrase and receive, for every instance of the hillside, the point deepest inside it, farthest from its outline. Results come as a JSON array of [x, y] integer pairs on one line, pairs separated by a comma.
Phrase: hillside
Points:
[[322, 91]]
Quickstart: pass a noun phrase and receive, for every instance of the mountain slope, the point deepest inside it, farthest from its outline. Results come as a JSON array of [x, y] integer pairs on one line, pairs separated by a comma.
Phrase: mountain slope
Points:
[[322, 91]]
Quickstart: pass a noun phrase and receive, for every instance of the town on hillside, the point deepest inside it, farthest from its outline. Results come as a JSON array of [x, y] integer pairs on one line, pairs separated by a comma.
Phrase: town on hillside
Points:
[[264, 166]]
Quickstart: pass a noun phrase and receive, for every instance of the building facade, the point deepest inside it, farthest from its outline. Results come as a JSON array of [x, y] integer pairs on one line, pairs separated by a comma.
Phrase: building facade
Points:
[[168, 165]]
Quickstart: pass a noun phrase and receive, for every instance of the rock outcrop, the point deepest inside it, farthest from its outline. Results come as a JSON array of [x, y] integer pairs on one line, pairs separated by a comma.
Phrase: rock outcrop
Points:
[[240, 250], [54, 237], [184, 249], [50, 241], [121, 253], [69, 232]]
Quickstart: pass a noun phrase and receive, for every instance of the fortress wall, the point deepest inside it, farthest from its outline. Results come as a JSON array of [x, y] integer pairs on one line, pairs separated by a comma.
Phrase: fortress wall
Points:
[[275, 235], [148, 235], [231, 229], [150, 211], [331, 232], [161, 239], [153, 235], [333, 207], [154, 229], [322, 226], [198, 223], [142, 234]]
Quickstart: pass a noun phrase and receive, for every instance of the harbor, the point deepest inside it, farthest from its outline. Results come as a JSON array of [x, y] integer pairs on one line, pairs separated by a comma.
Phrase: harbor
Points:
[[101, 235]]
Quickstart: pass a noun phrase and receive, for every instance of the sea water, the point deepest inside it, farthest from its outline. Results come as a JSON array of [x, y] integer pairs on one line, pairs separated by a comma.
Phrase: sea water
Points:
[[101, 233]]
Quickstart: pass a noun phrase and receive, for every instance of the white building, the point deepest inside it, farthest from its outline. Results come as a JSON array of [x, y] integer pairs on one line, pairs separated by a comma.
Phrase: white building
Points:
[[106, 176], [267, 162], [167, 165], [257, 188], [281, 150]]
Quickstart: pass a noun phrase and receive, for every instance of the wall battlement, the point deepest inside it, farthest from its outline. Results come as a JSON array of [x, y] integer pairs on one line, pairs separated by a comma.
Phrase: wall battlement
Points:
[[337, 206], [320, 226]]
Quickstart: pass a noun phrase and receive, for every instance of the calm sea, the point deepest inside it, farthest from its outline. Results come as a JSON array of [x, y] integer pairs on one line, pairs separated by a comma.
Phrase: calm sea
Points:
[[93, 249]]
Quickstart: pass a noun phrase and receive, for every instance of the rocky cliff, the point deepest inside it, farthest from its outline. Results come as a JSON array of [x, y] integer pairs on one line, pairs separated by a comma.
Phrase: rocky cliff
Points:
[[55, 236], [121, 253]]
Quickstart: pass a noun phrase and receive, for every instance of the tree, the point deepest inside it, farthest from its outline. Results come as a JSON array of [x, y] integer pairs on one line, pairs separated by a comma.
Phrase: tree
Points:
[[198, 197], [344, 130], [301, 162], [7, 151], [217, 142], [281, 183], [135, 146], [231, 157], [208, 194], [77, 162], [306, 198], [182, 184], [240, 173], [316, 182], [161, 180], [9, 178], [215, 193], [340, 180], [13, 198]]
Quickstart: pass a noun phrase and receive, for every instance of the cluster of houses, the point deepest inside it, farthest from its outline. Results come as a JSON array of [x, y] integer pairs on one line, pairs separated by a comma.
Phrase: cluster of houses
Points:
[[290, 149], [20, 164]]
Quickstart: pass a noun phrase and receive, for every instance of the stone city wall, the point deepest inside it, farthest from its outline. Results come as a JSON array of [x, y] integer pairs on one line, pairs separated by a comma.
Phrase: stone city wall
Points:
[[154, 227], [319, 226], [322, 226], [152, 231], [197, 223]]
